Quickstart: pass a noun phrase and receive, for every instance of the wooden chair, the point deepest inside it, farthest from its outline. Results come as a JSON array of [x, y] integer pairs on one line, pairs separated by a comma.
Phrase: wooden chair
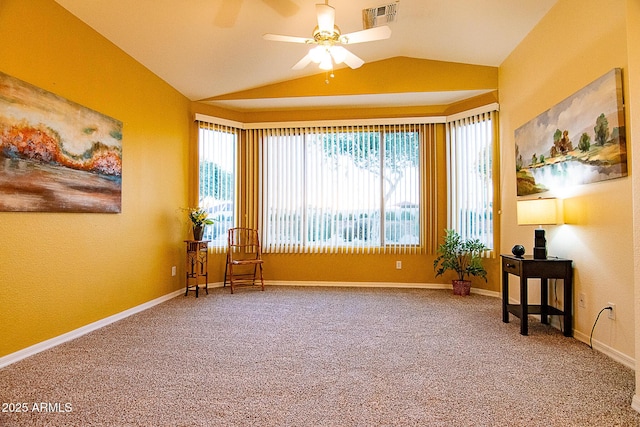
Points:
[[244, 258]]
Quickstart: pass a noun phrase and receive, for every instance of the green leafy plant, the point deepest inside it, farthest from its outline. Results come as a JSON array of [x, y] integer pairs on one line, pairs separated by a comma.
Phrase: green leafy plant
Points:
[[199, 217], [462, 256]]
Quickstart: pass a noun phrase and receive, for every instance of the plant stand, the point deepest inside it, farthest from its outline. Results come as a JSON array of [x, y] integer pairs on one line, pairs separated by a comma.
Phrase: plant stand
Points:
[[197, 264]]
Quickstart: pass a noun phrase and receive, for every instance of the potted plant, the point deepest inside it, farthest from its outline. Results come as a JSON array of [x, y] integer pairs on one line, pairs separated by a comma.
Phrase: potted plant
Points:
[[461, 256], [199, 219]]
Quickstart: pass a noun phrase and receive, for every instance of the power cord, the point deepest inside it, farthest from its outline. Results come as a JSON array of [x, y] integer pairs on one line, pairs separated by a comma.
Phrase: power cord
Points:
[[594, 325]]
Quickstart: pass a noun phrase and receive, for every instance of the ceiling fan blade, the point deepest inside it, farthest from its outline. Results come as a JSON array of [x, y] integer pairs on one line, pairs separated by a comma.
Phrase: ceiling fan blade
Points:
[[306, 60], [351, 60], [285, 8], [340, 55], [369, 35], [326, 18], [289, 39]]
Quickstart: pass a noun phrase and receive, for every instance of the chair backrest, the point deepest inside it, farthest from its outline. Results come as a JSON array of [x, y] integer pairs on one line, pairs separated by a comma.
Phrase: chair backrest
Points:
[[243, 243]]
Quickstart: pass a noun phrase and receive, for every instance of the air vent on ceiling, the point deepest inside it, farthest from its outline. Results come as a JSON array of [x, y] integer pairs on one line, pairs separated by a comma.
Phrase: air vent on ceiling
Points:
[[381, 15]]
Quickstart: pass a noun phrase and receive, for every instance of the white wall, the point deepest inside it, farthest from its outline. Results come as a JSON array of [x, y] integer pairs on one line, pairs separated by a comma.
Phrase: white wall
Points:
[[633, 132]]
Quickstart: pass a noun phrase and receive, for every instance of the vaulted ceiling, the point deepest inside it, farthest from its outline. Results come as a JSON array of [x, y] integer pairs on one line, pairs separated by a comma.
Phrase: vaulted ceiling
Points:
[[213, 50]]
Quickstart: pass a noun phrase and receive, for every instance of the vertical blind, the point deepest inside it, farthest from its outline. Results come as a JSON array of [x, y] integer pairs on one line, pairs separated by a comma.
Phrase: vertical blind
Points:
[[344, 189], [217, 184], [469, 152]]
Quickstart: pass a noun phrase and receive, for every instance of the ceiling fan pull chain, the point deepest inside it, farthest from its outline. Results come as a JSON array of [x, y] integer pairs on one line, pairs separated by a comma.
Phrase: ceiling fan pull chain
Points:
[[328, 74]]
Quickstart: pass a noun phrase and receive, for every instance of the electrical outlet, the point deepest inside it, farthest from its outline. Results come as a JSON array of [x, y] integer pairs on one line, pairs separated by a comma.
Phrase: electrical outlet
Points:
[[173, 270], [582, 300], [398, 265], [612, 312]]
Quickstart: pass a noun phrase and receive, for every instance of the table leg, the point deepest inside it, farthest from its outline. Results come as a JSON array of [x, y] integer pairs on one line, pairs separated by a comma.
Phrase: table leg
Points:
[[524, 307], [505, 296], [568, 304], [544, 301]]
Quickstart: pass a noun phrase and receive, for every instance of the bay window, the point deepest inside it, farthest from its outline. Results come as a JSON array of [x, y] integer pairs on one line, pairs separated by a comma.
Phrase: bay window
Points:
[[349, 188]]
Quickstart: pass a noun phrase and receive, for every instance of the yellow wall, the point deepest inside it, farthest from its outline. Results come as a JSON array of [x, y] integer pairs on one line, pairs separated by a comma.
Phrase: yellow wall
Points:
[[574, 44], [61, 271]]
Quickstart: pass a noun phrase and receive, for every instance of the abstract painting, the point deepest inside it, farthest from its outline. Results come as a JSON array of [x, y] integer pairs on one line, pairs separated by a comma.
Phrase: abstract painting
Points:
[[581, 140], [56, 155]]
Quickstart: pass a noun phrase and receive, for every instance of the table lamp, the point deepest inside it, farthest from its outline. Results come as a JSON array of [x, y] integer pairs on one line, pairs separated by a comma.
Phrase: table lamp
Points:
[[538, 212]]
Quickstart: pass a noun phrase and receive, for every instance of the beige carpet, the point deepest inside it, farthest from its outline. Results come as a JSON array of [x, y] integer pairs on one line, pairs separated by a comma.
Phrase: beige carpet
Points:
[[299, 356]]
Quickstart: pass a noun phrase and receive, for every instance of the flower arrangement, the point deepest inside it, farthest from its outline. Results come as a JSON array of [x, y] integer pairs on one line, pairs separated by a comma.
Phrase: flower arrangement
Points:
[[199, 217]]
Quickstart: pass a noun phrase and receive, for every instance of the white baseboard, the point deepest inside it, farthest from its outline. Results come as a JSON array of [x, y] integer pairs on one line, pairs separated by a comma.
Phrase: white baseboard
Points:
[[358, 284], [45, 345], [614, 354], [485, 292], [603, 348]]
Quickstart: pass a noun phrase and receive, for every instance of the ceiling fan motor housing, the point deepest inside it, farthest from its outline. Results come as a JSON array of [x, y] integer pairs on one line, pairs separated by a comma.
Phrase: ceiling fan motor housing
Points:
[[324, 37]]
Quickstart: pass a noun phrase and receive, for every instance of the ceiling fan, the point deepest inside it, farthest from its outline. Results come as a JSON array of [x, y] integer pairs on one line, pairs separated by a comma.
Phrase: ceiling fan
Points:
[[328, 41]]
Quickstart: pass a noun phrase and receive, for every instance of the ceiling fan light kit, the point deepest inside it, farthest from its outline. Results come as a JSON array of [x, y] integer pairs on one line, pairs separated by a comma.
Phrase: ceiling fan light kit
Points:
[[328, 40]]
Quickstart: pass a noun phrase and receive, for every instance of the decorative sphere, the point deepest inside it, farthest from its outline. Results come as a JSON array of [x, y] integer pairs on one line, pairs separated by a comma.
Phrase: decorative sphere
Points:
[[518, 250]]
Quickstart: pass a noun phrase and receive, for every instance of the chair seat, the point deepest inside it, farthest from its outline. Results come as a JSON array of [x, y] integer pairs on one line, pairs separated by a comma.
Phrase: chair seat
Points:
[[248, 261]]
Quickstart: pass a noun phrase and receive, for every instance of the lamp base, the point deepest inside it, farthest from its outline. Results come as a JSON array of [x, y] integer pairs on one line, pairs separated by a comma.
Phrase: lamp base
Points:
[[539, 253], [540, 245]]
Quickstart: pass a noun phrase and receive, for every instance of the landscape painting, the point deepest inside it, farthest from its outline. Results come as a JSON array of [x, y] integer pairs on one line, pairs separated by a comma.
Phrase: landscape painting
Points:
[[581, 140], [56, 155]]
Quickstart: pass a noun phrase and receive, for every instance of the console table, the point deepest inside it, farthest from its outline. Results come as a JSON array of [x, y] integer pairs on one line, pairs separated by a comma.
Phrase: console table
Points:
[[197, 264], [544, 269]]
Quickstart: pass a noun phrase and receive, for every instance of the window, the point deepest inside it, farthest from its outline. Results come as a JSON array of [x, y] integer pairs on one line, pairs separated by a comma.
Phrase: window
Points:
[[356, 189], [217, 147], [470, 176]]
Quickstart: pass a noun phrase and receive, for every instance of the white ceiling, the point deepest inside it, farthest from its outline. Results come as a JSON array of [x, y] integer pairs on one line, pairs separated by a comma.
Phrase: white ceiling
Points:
[[206, 48]]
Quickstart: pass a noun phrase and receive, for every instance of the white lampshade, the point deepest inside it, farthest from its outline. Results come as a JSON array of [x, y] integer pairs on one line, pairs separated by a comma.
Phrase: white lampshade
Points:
[[538, 212], [317, 54], [326, 63]]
